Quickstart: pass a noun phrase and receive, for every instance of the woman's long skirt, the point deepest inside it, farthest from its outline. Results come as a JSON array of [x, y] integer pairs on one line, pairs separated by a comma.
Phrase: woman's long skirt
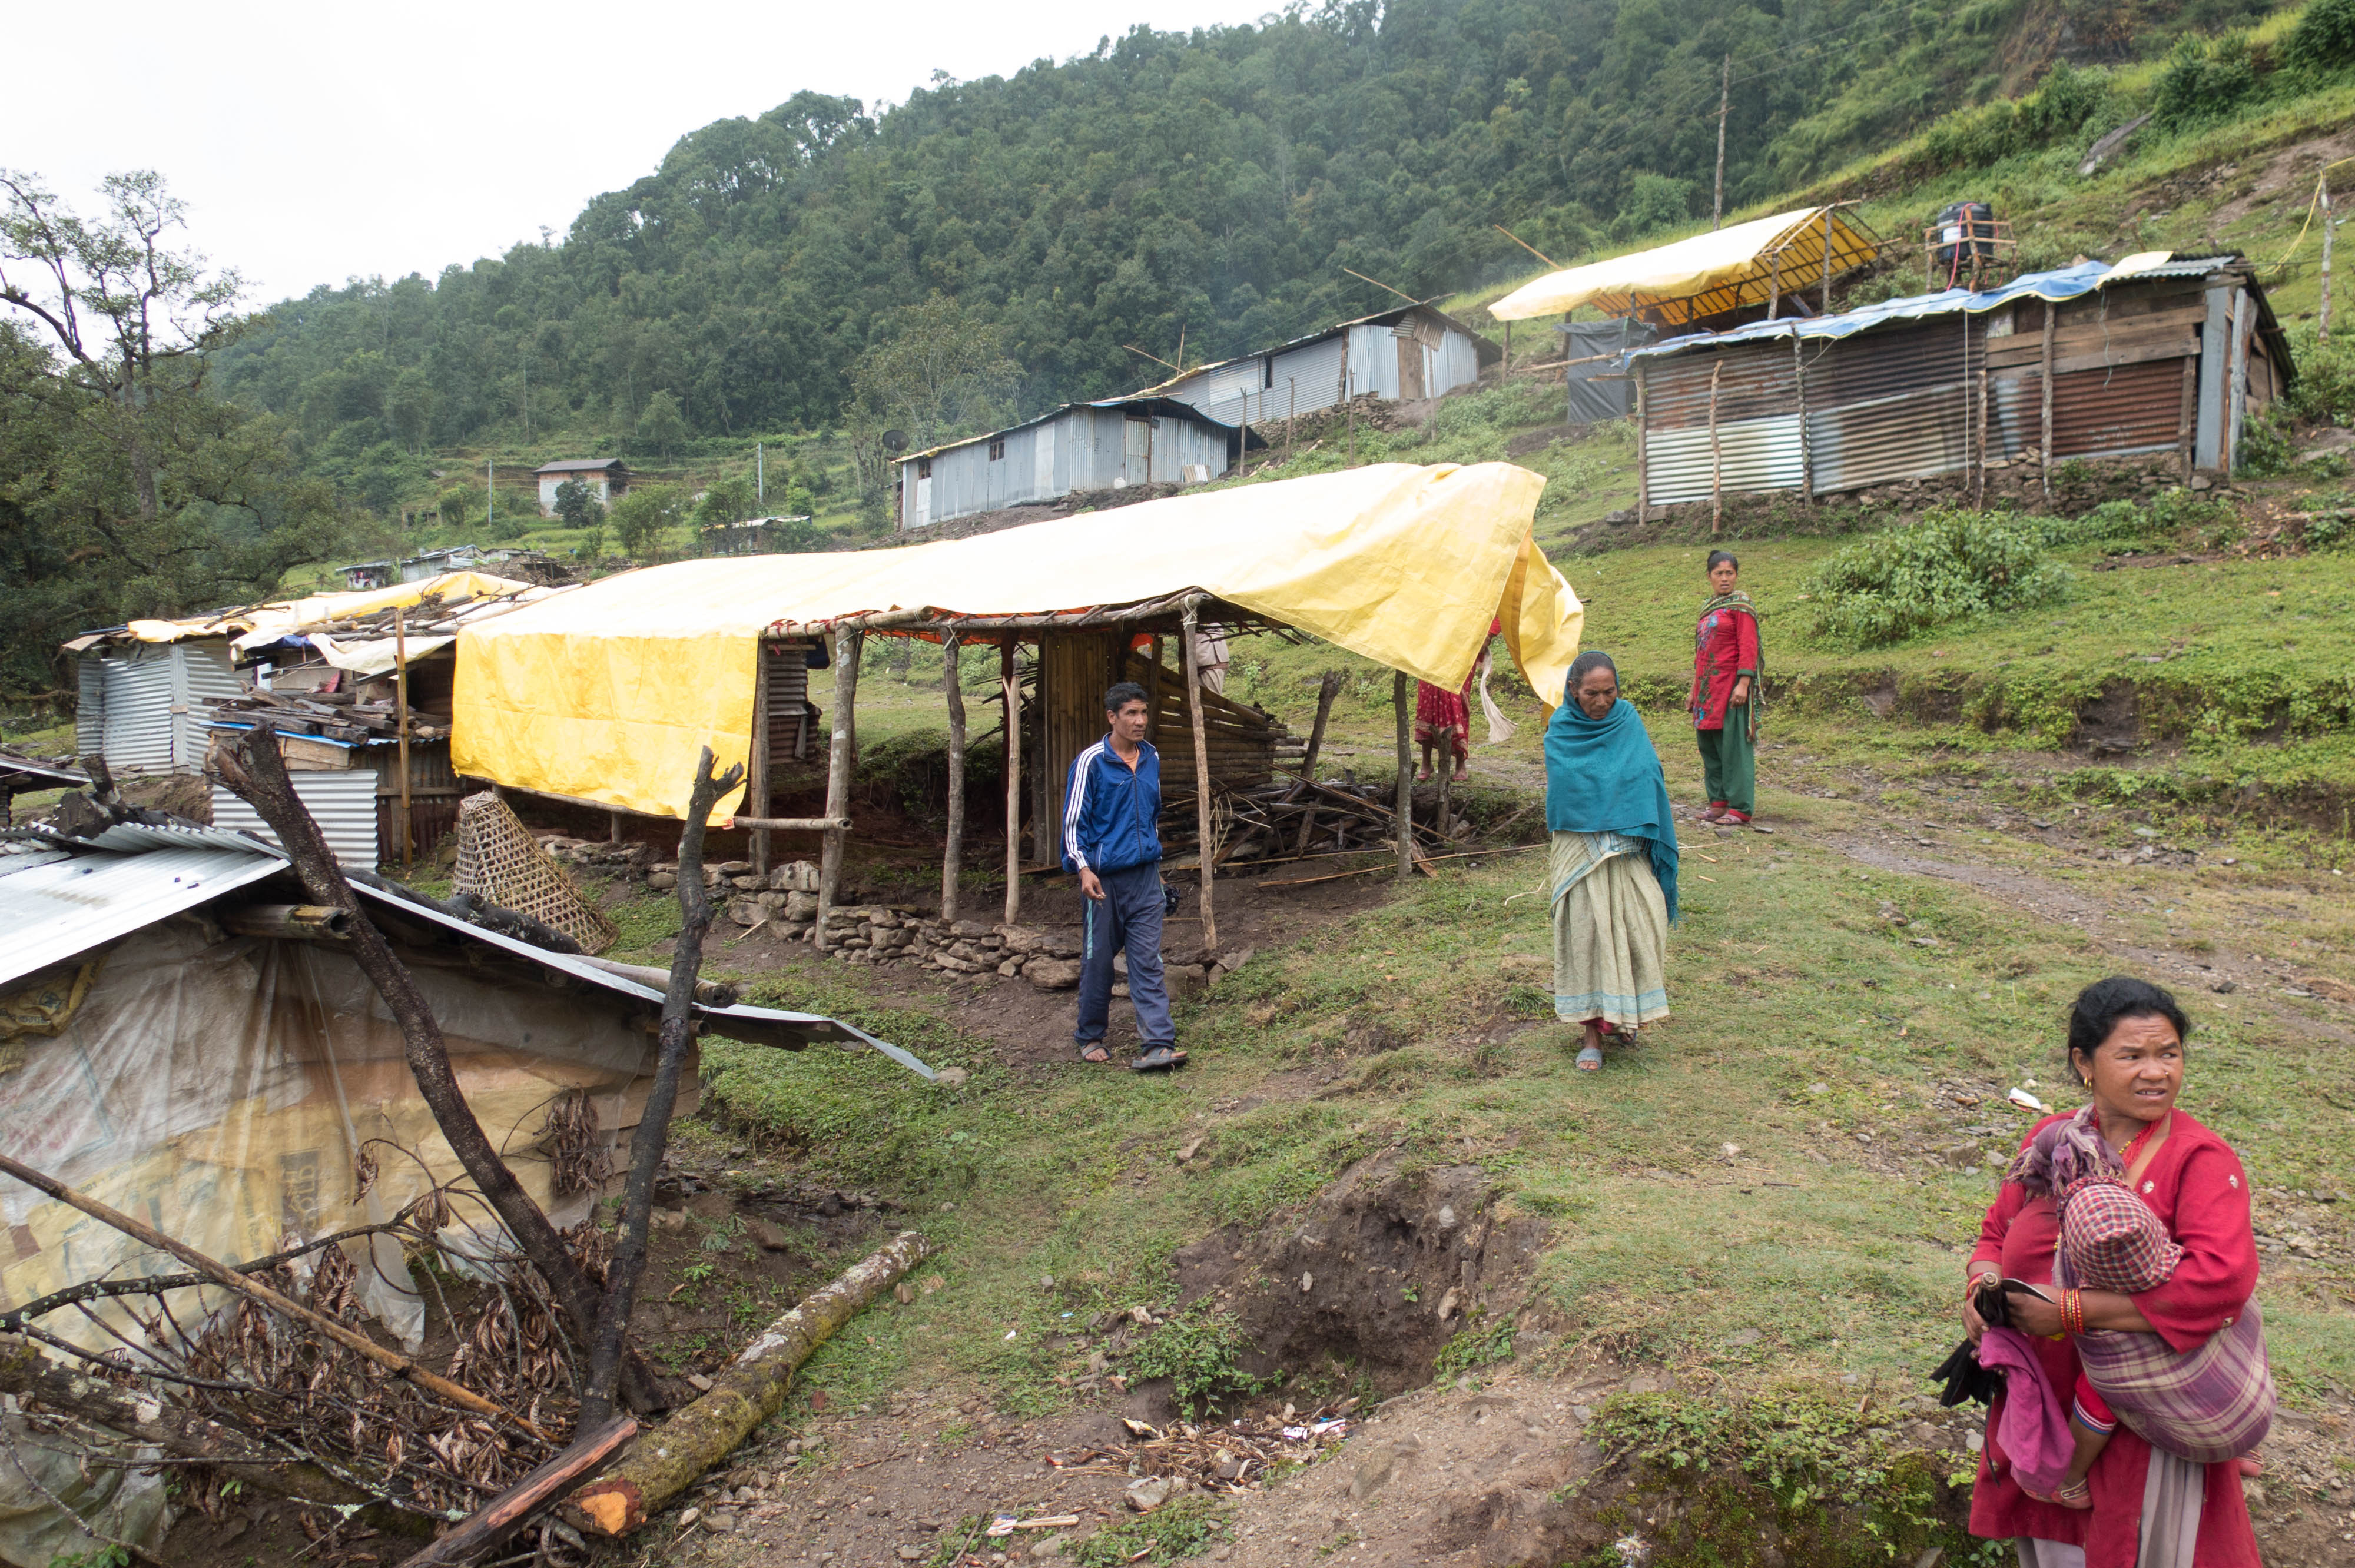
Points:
[[1610, 931]]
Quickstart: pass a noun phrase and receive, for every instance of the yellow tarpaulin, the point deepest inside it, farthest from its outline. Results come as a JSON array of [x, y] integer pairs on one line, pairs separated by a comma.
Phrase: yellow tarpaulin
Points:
[[259, 623], [1703, 276], [608, 692]]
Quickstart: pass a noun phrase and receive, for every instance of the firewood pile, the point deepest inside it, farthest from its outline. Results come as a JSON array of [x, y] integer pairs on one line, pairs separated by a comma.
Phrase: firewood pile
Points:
[[1291, 819], [330, 715]]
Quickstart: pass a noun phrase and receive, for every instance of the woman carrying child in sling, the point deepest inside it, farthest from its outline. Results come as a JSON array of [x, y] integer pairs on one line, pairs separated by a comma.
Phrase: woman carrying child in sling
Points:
[[2131, 1222]]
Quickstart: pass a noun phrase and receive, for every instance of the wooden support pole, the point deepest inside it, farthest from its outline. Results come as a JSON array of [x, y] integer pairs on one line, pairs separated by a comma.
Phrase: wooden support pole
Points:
[[793, 824], [953, 857], [1011, 683], [1153, 694], [1806, 447], [1724, 100], [1716, 457], [1327, 689], [2236, 379], [1447, 759], [1204, 850], [1403, 705], [1828, 260], [847, 646], [756, 770], [2044, 382], [1643, 453], [2187, 415], [1774, 286], [400, 721]]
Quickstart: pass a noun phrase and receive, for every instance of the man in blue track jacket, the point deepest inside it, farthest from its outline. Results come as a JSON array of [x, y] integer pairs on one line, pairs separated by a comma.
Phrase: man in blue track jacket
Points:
[[1112, 812]]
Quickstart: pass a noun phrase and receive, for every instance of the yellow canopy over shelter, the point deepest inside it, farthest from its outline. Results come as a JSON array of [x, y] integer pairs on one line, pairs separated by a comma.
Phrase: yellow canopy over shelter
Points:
[[1707, 275], [607, 692]]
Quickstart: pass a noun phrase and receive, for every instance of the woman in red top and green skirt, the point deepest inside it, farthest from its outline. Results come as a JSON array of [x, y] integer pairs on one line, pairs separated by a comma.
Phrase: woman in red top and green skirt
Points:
[[1725, 668]]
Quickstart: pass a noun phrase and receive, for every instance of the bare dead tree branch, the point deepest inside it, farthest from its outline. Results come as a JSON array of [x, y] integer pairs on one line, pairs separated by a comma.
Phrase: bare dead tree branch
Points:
[[252, 769], [653, 1134]]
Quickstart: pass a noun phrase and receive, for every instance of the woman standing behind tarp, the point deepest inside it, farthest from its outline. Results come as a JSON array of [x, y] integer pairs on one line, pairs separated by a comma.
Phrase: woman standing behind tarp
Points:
[[1613, 865], [1726, 665]]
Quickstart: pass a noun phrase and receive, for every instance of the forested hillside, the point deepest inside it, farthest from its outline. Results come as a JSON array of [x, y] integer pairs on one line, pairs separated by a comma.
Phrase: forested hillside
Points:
[[1205, 189]]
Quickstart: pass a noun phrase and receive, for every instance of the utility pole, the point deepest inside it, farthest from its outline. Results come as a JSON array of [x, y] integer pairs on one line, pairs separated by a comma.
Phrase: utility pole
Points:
[[759, 477], [1724, 97], [490, 496]]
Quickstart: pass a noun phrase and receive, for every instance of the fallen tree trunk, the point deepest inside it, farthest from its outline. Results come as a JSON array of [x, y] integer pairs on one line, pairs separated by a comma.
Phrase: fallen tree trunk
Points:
[[666, 1460], [514, 1507]]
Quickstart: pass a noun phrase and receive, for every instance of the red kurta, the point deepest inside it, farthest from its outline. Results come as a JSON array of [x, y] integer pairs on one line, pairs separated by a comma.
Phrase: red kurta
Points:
[[2197, 1188], [1725, 648]]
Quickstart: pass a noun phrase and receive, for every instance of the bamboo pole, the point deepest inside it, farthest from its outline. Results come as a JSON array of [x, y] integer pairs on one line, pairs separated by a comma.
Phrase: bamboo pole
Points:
[[1201, 775], [253, 1290], [401, 712], [1400, 707], [847, 647], [1012, 684], [953, 857], [756, 768], [1828, 260]]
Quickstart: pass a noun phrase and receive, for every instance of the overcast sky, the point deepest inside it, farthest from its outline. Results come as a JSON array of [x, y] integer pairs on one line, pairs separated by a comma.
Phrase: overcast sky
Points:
[[317, 142]]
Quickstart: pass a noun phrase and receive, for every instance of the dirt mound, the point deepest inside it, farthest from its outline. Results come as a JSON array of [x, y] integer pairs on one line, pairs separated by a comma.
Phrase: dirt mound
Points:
[[1379, 1272]]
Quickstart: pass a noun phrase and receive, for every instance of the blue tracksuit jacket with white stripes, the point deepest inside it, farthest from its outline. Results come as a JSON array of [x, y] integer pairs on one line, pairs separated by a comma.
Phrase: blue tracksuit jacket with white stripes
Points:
[[1112, 814]]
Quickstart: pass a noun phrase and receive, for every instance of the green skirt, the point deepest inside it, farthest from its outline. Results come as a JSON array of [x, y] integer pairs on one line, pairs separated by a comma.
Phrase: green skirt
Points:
[[1610, 931]]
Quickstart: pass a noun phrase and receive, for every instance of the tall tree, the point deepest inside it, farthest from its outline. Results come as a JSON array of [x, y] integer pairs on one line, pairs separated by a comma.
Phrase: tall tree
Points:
[[125, 489]]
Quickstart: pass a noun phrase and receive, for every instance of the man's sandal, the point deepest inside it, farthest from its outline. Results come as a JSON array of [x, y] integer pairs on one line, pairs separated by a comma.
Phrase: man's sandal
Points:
[[1094, 1052], [1160, 1059], [1589, 1059]]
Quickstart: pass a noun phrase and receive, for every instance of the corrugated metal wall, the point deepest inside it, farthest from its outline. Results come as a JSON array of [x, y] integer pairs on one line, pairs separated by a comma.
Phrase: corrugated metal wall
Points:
[[343, 804], [139, 728], [205, 677], [90, 714], [1312, 372], [1757, 446], [1905, 401]]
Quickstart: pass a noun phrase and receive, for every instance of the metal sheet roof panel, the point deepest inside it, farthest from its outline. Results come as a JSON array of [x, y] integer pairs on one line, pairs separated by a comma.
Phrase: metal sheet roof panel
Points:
[[65, 907]]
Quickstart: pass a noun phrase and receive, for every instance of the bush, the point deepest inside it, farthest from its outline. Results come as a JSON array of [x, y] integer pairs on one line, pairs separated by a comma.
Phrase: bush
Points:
[[2204, 80], [2324, 38], [1199, 1352], [2326, 375], [1951, 566]]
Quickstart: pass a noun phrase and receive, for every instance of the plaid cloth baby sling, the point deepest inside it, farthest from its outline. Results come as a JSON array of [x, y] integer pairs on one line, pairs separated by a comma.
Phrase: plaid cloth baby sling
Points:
[[2209, 1403]]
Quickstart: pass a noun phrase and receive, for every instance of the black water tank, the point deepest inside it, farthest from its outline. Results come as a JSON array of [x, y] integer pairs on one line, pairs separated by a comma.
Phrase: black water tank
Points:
[[1966, 232]]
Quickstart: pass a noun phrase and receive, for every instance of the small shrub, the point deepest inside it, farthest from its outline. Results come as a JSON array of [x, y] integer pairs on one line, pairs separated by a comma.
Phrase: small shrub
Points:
[[1470, 1349], [2326, 375], [1952, 566], [1197, 1350], [1184, 1528]]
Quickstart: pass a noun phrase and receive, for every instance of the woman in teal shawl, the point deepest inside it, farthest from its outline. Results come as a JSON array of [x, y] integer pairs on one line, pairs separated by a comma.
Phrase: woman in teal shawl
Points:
[[1614, 866]]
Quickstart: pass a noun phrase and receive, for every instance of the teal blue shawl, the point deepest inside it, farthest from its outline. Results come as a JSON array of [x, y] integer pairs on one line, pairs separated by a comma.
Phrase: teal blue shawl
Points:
[[1603, 776]]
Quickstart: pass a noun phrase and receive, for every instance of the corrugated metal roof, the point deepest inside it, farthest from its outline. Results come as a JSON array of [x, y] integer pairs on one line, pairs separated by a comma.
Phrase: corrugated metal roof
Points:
[[1167, 408], [34, 768], [2065, 283], [760, 1025], [71, 903], [132, 837], [579, 465]]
